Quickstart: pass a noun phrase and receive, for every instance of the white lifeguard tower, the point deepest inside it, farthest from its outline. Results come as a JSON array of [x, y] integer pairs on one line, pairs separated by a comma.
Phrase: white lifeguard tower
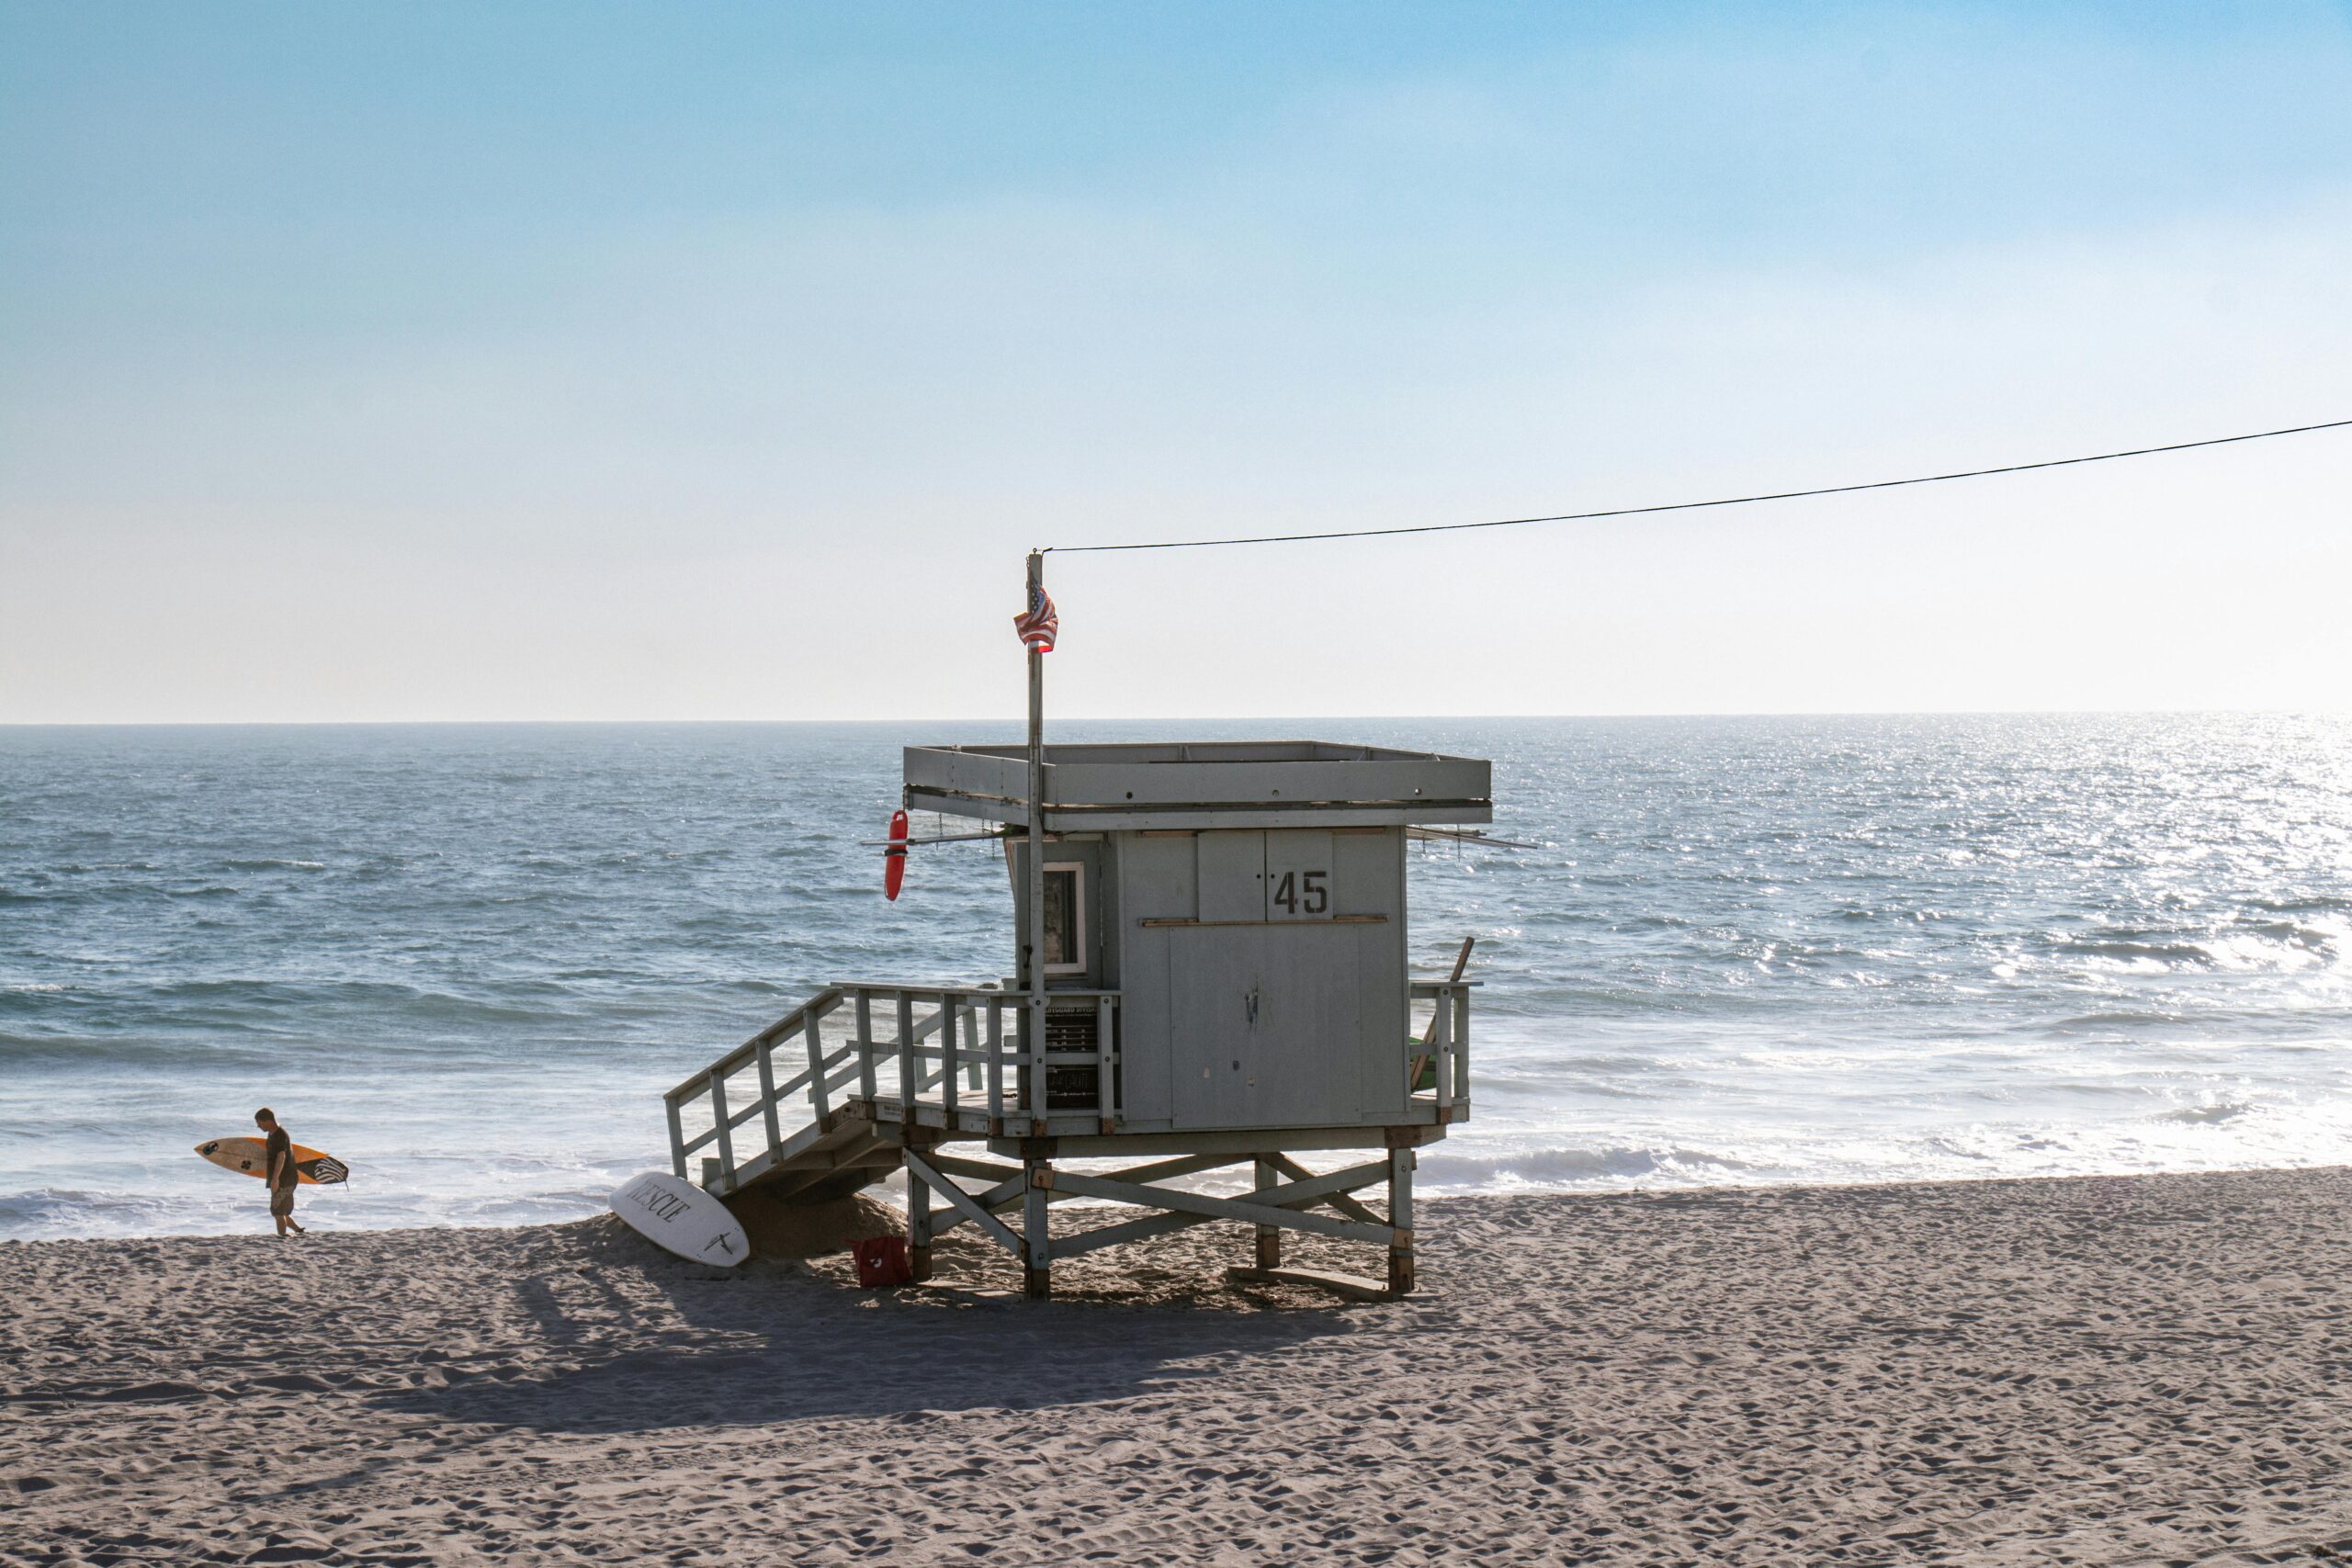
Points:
[[1210, 969]]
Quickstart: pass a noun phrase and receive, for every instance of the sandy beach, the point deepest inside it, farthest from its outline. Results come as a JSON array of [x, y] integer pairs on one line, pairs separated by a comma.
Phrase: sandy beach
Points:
[[2145, 1370]]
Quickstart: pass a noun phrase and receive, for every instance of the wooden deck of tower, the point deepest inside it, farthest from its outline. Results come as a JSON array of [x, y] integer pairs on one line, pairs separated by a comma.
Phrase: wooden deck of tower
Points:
[[1210, 973]]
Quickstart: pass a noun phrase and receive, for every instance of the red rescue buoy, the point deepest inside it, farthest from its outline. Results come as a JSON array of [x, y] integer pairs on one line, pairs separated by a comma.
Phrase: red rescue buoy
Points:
[[894, 859]]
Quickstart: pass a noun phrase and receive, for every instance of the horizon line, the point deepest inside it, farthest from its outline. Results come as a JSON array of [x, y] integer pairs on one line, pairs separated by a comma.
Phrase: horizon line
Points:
[[2059, 712]]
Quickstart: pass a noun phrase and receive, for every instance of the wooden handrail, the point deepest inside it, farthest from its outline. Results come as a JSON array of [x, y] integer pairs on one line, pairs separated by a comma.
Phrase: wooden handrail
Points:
[[823, 1002], [1445, 1044], [976, 1046]]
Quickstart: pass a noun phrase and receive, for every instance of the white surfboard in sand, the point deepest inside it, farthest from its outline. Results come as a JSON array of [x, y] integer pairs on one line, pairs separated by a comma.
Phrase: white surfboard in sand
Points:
[[682, 1218]]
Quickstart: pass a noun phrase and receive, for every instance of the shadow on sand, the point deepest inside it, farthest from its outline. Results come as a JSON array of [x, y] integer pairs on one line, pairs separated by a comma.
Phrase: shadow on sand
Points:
[[777, 1344]]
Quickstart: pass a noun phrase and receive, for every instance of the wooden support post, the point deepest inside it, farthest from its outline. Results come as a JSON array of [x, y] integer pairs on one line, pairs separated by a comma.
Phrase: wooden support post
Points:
[[1400, 1218], [1269, 1237], [677, 1140], [1036, 1236], [1034, 1072], [918, 1226], [1106, 1035]]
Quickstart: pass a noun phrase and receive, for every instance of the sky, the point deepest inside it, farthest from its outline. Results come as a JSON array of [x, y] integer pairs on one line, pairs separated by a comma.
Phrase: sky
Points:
[[580, 361]]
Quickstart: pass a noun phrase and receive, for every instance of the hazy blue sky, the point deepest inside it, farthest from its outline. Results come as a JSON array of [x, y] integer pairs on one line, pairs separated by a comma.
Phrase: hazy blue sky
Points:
[[504, 360]]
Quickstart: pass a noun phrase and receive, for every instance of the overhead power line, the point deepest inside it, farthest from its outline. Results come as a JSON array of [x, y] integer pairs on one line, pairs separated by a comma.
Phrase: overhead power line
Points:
[[1697, 505]]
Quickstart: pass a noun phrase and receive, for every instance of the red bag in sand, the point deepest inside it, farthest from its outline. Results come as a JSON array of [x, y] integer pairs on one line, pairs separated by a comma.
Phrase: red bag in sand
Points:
[[882, 1260]]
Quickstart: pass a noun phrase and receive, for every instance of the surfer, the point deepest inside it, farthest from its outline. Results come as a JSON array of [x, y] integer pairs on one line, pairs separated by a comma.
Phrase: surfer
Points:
[[278, 1169]]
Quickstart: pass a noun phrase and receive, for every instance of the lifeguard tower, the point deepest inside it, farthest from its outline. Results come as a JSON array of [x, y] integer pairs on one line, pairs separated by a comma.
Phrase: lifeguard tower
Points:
[[1209, 947]]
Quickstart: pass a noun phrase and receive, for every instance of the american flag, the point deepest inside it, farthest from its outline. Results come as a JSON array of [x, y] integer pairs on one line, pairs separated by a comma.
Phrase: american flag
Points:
[[1037, 624]]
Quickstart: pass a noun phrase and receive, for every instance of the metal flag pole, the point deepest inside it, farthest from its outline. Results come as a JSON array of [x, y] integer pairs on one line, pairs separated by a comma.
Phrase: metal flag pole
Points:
[[1036, 1244], [1037, 976]]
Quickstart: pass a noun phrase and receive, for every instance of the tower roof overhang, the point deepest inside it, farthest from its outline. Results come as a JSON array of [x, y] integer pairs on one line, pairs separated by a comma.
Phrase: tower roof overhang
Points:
[[1175, 785]]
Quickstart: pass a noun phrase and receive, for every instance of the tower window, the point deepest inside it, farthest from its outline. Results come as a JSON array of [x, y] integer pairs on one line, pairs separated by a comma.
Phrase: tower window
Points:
[[1064, 917]]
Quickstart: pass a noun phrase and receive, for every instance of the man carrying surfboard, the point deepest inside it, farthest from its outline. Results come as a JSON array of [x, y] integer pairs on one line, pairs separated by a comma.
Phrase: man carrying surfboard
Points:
[[278, 1169]]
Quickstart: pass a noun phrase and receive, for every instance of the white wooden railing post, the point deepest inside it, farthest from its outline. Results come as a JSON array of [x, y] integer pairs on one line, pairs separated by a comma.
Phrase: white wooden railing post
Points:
[[996, 1058], [1441, 1045], [726, 1133], [817, 1095], [766, 1050], [865, 1086], [1459, 1002], [677, 1138], [949, 1007], [909, 1071]]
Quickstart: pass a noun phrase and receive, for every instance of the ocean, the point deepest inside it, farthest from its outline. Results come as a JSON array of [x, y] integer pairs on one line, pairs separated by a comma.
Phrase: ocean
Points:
[[467, 959]]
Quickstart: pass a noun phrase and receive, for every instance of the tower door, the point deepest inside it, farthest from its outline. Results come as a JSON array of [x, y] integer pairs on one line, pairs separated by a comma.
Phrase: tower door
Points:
[[1265, 1024]]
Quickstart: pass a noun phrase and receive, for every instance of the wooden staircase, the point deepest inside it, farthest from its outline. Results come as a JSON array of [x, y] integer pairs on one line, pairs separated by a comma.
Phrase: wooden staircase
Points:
[[914, 1064], [831, 1156]]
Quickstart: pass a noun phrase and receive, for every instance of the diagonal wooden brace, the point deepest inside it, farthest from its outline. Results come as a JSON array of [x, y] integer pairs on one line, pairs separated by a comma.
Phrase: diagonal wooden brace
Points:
[[1269, 1207], [1161, 1225], [1011, 1193], [1339, 1200], [996, 1230]]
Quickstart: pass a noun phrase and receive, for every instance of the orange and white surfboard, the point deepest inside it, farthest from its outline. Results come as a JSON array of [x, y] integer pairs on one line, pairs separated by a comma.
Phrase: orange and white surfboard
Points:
[[248, 1157]]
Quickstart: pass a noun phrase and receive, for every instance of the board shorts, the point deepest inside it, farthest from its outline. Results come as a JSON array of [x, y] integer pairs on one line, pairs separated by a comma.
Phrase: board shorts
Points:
[[281, 1201]]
